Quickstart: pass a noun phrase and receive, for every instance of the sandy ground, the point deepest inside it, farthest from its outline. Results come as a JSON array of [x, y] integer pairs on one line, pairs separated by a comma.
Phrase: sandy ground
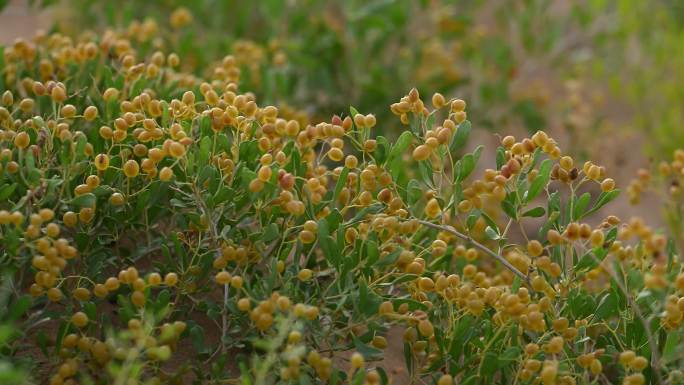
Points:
[[20, 20]]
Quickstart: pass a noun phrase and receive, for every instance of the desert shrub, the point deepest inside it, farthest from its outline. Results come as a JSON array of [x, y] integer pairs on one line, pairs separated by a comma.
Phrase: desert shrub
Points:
[[331, 54], [518, 63], [662, 183], [160, 227]]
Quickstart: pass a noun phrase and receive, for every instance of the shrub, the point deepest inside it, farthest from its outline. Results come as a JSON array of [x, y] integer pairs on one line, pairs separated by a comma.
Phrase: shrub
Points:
[[325, 55], [170, 229]]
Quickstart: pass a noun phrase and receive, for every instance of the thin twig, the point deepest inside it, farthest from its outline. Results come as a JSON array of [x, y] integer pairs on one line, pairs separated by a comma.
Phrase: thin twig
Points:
[[478, 245]]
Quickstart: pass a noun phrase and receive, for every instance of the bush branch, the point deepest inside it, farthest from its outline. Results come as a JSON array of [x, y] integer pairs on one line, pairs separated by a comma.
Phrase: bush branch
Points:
[[483, 248]]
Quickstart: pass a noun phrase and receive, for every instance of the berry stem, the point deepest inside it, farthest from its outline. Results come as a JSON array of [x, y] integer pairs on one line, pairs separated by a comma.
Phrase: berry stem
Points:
[[478, 245]]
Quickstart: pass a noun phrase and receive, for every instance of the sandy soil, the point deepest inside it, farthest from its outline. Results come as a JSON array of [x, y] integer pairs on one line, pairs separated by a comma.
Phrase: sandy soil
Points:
[[20, 20]]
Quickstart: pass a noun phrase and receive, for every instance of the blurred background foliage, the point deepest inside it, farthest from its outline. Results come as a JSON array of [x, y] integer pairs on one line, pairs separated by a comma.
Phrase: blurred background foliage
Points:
[[579, 68]]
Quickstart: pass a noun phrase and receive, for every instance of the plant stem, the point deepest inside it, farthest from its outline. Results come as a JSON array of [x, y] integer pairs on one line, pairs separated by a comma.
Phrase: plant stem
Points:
[[478, 245]]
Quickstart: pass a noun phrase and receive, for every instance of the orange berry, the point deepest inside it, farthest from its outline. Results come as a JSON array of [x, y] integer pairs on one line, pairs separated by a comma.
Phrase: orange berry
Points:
[[90, 113], [79, 319], [425, 328], [171, 279], [165, 174], [102, 162], [22, 140], [421, 152], [304, 274], [131, 168]]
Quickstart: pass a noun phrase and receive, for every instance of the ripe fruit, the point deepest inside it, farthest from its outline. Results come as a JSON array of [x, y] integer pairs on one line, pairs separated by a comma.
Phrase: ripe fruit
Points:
[[131, 168], [176, 150], [117, 199], [70, 219], [607, 185], [90, 113], [223, 278], [304, 275], [356, 360], [445, 379], [425, 328], [421, 152], [102, 162], [335, 154], [79, 319], [22, 140], [171, 279], [458, 105], [432, 208], [165, 174]]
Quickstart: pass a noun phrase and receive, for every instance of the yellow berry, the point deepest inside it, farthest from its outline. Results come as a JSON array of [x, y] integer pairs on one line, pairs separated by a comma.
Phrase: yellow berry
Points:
[[304, 274], [22, 140], [70, 219], [445, 379], [131, 168], [176, 150], [421, 152], [607, 185], [90, 113], [166, 174], [102, 162], [458, 105], [117, 199], [171, 279], [357, 360], [639, 363], [223, 278], [432, 208], [535, 248], [627, 357], [244, 304], [79, 319], [335, 154], [425, 328]]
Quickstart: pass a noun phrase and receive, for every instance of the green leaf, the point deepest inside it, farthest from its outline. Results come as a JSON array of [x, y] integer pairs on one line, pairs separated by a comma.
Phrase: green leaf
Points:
[[466, 165], [205, 148], [500, 157], [7, 190], [340, 183], [540, 181], [607, 306], [372, 252], [581, 206], [18, 308], [327, 243], [491, 233], [197, 338], [508, 206], [85, 200], [591, 259], [461, 137], [353, 111], [603, 199], [394, 162], [490, 363], [509, 356], [271, 233], [369, 301], [517, 282], [413, 192], [382, 151], [368, 352], [535, 212], [674, 346]]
